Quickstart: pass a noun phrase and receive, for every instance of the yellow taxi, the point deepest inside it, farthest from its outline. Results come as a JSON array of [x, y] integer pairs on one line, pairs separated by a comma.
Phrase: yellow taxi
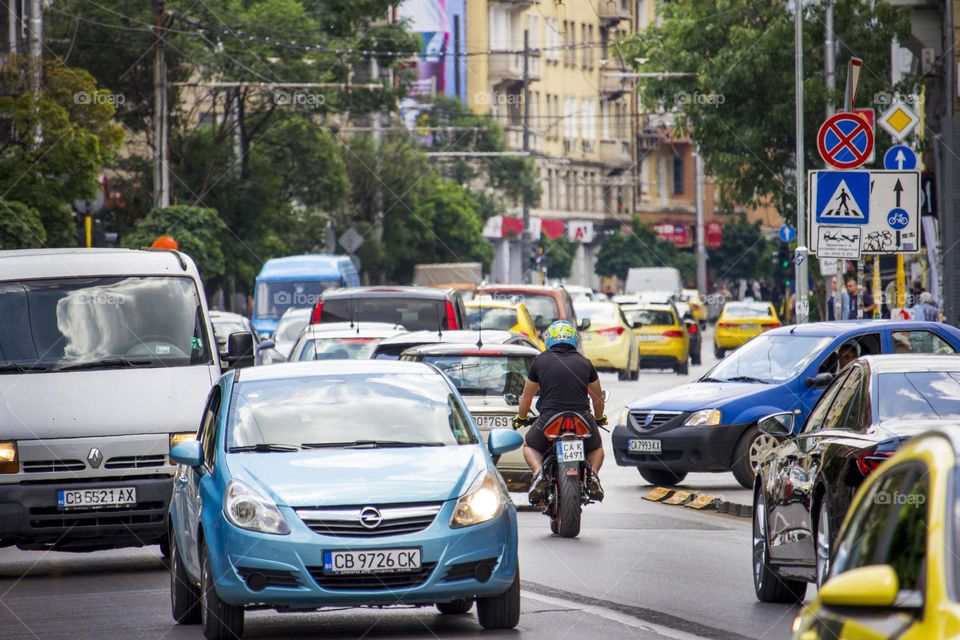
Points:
[[503, 316], [662, 338], [607, 340], [895, 569], [741, 321], [698, 306]]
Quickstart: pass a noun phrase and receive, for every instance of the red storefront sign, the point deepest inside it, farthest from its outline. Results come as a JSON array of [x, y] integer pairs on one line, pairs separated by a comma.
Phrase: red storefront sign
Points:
[[714, 235], [678, 234]]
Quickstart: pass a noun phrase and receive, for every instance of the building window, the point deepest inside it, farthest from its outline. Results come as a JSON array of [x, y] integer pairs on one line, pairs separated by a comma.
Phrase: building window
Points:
[[678, 187]]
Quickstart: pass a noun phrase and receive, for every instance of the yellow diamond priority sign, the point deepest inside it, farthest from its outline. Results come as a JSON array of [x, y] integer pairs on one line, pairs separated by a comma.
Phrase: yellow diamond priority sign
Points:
[[899, 120]]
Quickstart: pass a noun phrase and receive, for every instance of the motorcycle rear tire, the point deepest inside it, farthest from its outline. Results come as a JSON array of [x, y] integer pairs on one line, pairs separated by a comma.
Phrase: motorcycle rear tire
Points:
[[570, 502]]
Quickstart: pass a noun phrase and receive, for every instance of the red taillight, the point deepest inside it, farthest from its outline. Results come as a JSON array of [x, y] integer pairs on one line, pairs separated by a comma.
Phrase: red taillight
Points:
[[673, 333], [524, 333], [563, 424], [612, 331], [357, 340], [482, 352], [317, 312], [692, 328], [451, 317], [725, 325], [773, 325], [870, 461]]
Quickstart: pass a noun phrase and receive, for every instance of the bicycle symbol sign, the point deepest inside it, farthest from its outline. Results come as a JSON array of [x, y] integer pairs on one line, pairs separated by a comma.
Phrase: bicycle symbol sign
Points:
[[898, 219]]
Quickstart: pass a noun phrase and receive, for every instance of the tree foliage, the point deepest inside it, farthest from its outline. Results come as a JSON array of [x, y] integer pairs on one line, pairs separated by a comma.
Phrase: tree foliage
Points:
[[739, 109], [559, 253], [20, 226], [197, 230], [745, 253], [641, 247]]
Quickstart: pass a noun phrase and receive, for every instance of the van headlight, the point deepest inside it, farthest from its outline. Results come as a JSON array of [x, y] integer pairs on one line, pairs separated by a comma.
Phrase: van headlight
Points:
[[9, 461], [703, 418], [483, 501], [246, 508]]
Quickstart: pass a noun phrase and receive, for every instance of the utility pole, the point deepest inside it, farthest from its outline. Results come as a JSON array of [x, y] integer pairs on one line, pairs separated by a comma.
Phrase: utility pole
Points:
[[376, 135], [701, 228], [161, 154], [525, 236], [12, 20], [800, 259], [36, 47], [456, 55], [830, 76]]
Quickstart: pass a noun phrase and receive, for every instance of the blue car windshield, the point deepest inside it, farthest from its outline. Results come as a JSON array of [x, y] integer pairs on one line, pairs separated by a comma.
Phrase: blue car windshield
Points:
[[409, 409], [769, 358]]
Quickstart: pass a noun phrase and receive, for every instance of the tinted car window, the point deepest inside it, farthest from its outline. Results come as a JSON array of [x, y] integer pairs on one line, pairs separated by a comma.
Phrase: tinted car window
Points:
[[544, 306], [818, 416], [413, 313], [926, 394], [273, 298], [487, 375], [416, 409], [845, 409], [208, 429], [906, 552], [920, 341]]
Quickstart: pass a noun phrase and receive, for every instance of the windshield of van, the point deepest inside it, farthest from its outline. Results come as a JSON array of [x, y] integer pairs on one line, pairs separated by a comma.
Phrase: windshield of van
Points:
[[101, 322], [273, 298]]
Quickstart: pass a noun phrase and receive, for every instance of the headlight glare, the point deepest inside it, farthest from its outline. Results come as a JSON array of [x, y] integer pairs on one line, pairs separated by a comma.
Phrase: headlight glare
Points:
[[484, 501], [622, 420], [246, 508], [9, 461], [703, 418]]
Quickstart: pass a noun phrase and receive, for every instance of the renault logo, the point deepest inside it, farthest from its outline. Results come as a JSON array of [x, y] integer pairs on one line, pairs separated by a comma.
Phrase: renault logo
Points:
[[370, 517], [648, 419], [95, 458]]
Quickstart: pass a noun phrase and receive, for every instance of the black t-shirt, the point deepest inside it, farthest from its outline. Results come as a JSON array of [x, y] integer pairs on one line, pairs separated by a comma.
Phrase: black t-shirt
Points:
[[563, 374]]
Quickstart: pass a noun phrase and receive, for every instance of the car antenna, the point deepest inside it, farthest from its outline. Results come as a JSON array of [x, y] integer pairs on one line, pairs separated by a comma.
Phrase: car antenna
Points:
[[480, 330], [439, 325], [351, 311], [353, 300]]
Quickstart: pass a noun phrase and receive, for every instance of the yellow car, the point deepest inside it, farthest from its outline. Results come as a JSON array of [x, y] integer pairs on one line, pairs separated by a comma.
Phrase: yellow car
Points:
[[698, 306], [503, 316], [895, 564], [662, 337], [608, 340], [741, 321]]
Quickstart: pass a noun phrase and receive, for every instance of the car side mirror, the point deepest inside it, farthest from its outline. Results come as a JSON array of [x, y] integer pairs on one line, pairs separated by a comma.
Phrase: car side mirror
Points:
[[636, 324], [500, 441], [778, 425], [874, 586], [188, 453], [820, 381], [511, 399], [584, 324], [268, 344], [240, 351]]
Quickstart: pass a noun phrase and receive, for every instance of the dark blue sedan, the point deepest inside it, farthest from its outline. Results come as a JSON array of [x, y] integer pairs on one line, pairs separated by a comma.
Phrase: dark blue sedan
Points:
[[711, 424]]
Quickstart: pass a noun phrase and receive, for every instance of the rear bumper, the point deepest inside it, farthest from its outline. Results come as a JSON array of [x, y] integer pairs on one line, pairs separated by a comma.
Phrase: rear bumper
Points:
[[605, 354], [31, 519], [733, 339], [659, 362], [684, 449]]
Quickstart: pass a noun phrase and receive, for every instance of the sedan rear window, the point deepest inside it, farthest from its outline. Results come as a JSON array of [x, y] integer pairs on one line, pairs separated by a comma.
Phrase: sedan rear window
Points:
[[919, 395], [654, 317], [484, 375], [492, 318], [339, 349], [376, 409], [748, 311], [414, 314]]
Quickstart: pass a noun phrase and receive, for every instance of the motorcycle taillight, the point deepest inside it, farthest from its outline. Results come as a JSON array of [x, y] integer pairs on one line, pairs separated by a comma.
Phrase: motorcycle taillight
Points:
[[566, 423]]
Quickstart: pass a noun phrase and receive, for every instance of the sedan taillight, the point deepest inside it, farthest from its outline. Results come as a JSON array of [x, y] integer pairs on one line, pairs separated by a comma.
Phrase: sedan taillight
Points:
[[867, 462]]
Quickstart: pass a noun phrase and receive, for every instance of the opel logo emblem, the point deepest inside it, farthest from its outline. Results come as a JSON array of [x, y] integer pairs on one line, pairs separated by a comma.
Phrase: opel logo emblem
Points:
[[95, 458], [648, 420], [370, 517]]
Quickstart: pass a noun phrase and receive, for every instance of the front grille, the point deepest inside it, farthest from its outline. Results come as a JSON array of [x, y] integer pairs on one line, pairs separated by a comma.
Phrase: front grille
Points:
[[53, 517], [346, 522], [52, 466], [271, 577], [657, 418], [372, 581], [136, 462]]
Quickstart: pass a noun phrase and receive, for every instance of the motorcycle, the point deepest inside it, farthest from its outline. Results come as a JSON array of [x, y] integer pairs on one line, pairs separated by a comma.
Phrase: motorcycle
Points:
[[565, 467]]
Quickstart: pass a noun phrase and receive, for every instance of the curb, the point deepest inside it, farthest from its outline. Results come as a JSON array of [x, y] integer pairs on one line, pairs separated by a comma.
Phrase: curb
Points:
[[698, 501]]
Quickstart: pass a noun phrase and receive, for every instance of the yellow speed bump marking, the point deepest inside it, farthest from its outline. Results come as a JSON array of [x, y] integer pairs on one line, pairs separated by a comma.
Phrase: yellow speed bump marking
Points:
[[658, 494], [680, 498], [703, 501]]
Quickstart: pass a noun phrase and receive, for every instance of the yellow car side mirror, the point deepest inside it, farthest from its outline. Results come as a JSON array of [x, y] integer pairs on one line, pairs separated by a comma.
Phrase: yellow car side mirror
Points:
[[873, 586]]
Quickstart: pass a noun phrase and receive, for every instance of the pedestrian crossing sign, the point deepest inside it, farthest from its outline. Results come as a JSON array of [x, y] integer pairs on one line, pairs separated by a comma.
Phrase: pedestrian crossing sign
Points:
[[843, 197]]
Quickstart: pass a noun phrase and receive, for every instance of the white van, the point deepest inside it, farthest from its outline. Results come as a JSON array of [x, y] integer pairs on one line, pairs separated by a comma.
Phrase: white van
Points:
[[649, 279], [106, 357]]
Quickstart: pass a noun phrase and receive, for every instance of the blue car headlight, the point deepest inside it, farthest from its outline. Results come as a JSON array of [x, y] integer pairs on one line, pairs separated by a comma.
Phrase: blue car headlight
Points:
[[246, 508], [483, 501], [704, 418]]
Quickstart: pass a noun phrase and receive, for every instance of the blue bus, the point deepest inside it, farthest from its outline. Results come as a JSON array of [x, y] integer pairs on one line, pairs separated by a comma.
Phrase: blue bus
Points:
[[297, 282]]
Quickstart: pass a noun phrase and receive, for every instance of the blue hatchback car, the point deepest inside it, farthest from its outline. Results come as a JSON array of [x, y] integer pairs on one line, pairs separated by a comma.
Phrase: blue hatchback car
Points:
[[348, 483], [711, 424]]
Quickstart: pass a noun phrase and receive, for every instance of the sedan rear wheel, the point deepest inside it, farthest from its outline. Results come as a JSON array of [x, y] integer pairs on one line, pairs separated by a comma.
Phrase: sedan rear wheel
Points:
[[823, 541]]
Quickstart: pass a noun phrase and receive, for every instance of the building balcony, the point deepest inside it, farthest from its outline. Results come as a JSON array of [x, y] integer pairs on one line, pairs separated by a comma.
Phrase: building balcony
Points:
[[506, 67], [613, 11], [615, 152], [514, 138]]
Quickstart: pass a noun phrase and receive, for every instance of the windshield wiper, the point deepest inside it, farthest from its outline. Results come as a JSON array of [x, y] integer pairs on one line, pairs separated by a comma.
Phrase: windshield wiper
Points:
[[112, 363], [368, 444], [709, 379], [263, 447], [746, 379], [11, 367]]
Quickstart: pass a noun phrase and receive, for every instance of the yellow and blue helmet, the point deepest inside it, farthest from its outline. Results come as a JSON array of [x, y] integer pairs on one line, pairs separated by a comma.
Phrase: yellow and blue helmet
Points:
[[562, 332]]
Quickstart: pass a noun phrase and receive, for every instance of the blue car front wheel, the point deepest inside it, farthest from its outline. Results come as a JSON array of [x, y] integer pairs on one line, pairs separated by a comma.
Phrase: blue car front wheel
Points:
[[220, 620], [502, 611]]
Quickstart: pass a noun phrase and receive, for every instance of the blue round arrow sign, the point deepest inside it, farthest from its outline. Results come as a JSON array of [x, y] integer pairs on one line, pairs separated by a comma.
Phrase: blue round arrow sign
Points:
[[788, 232], [900, 158]]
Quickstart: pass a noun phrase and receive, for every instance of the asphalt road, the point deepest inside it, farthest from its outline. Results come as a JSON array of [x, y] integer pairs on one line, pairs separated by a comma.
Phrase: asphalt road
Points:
[[638, 570]]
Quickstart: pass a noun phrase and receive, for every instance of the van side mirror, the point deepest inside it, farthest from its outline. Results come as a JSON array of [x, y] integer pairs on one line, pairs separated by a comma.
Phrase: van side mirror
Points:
[[240, 352]]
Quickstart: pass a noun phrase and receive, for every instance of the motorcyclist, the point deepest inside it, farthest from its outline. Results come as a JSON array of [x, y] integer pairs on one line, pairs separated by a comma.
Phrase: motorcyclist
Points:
[[566, 381]]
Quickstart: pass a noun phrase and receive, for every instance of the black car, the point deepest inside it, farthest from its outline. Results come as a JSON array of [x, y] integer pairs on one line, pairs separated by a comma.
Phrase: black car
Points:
[[694, 330], [805, 484], [415, 308]]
